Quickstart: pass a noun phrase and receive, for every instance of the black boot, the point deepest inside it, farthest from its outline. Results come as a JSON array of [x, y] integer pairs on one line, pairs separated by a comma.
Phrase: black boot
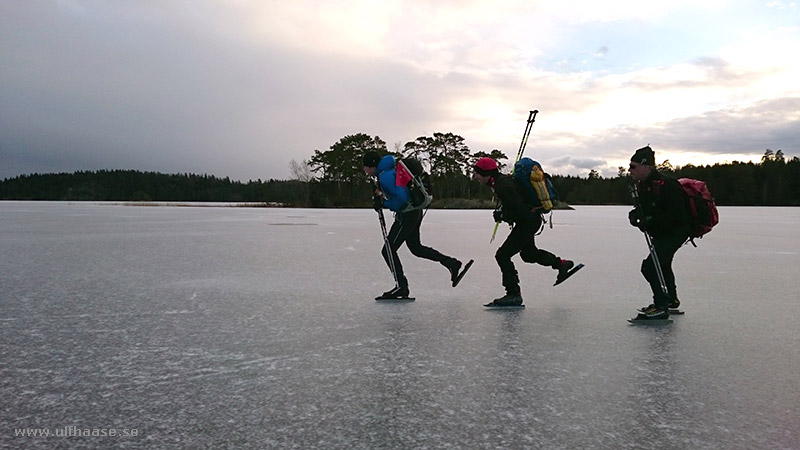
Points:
[[454, 269], [566, 269], [508, 300], [397, 292], [654, 312]]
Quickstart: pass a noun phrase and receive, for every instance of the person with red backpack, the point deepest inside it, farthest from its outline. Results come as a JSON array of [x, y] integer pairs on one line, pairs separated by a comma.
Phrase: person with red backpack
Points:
[[406, 226], [662, 213], [526, 221]]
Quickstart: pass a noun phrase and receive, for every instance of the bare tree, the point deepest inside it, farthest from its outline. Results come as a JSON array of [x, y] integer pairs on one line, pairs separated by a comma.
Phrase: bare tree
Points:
[[302, 172]]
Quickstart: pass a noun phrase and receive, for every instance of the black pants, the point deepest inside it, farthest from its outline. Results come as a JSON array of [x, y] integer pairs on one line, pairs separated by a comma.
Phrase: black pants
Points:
[[666, 247], [522, 240], [406, 228]]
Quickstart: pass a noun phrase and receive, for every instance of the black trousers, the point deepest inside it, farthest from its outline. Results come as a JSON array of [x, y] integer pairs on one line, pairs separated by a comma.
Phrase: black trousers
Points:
[[406, 229], [666, 247], [522, 240]]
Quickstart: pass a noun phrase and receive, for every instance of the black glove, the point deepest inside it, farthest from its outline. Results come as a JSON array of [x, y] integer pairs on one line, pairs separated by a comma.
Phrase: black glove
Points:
[[497, 215], [636, 219], [377, 202]]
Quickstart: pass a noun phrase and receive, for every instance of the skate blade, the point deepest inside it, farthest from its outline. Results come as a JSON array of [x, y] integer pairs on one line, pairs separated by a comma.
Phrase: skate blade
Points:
[[463, 272], [672, 311], [569, 274], [636, 321], [493, 306]]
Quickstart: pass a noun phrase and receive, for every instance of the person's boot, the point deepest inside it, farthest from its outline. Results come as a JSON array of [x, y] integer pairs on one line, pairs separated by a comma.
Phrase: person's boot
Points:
[[513, 299], [397, 292], [654, 312], [566, 269], [454, 269]]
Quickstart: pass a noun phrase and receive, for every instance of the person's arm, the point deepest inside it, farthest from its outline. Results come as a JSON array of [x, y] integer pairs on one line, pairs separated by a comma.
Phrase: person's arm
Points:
[[397, 196], [514, 209]]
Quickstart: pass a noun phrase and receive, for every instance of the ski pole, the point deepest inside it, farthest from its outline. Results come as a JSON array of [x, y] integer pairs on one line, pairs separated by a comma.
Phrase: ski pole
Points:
[[653, 254], [528, 126], [388, 247], [522, 145]]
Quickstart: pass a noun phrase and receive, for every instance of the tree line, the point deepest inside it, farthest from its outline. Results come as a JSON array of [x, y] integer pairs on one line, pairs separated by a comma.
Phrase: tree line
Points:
[[335, 178], [136, 186]]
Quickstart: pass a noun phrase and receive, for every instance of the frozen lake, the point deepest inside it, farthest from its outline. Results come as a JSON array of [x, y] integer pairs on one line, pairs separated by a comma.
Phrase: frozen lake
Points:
[[215, 327]]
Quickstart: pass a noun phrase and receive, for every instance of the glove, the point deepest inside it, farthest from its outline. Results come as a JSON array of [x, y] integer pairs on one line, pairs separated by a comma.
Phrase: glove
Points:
[[377, 202], [497, 214], [635, 219]]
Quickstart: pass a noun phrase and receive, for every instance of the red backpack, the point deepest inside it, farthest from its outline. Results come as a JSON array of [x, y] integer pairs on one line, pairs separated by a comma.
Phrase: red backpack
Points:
[[702, 208]]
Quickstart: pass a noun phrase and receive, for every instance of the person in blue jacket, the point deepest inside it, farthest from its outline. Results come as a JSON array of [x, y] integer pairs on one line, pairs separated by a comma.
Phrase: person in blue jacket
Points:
[[406, 226]]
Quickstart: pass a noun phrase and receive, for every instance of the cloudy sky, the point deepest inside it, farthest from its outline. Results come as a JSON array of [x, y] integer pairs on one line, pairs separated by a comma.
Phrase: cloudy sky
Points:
[[240, 88]]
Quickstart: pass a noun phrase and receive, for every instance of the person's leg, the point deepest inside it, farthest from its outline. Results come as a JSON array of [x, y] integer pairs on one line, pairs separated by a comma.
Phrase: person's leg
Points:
[[519, 237], [413, 220], [668, 246], [648, 270], [533, 255], [665, 247], [396, 237]]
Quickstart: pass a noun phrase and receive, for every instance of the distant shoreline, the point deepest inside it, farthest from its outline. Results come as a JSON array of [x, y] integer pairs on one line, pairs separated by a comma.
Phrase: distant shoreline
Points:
[[450, 204]]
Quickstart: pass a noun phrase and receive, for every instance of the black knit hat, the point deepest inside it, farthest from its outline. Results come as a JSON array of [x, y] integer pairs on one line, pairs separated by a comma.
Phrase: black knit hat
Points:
[[371, 159], [644, 155]]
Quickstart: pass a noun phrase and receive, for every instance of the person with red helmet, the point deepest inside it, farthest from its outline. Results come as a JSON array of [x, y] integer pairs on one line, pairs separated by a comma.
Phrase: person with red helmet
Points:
[[525, 222]]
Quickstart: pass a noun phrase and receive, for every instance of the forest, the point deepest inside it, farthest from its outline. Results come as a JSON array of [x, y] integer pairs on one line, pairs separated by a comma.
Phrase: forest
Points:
[[335, 178]]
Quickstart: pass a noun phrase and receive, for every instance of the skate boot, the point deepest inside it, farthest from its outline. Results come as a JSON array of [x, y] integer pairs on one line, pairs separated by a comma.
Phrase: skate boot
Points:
[[645, 308], [456, 274], [454, 269], [675, 307], [507, 300], [654, 312], [566, 269], [397, 292]]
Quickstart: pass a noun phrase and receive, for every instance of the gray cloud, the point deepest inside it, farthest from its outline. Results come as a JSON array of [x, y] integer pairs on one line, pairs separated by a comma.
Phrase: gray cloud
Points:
[[173, 89], [86, 95]]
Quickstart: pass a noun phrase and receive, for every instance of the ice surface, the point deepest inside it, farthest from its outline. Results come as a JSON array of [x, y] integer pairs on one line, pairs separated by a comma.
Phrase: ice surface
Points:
[[256, 328]]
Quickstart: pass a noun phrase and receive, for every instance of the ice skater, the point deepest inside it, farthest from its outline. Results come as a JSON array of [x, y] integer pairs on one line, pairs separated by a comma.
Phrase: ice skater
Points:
[[405, 228], [526, 222], [662, 213]]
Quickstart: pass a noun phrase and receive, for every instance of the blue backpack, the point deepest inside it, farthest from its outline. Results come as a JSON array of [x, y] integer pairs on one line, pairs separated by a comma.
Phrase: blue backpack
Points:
[[541, 193]]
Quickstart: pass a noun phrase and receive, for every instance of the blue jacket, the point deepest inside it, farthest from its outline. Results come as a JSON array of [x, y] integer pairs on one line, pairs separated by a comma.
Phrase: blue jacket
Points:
[[396, 196]]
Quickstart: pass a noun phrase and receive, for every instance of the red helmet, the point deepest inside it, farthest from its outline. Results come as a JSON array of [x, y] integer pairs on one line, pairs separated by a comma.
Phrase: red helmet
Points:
[[485, 166]]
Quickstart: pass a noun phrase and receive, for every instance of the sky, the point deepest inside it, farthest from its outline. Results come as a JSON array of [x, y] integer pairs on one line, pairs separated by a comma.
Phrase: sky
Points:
[[240, 88]]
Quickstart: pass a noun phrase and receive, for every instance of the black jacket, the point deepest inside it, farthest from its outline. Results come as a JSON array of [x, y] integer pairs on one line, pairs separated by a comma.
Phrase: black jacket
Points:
[[511, 194], [663, 206]]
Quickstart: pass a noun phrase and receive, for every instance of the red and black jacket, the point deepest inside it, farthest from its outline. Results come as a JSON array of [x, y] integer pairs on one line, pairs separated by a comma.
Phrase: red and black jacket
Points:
[[664, 207]]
